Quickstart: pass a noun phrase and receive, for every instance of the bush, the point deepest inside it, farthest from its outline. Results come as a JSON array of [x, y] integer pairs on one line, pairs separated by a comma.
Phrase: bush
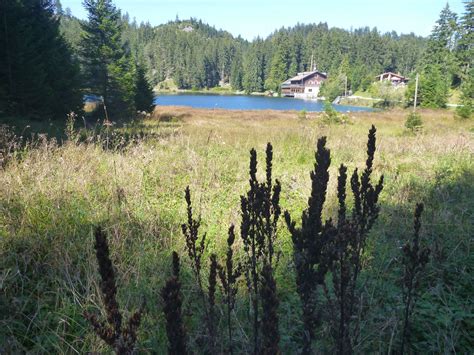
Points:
[[390, 95], [331, 116], [414, 122], [467, 97], [464, 112], [302, 114], [433, 90], [333, 87]]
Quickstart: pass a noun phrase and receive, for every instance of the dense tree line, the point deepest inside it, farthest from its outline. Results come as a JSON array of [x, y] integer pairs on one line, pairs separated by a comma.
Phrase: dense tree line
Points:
[[49, 58], [448, 61], [196, 55]]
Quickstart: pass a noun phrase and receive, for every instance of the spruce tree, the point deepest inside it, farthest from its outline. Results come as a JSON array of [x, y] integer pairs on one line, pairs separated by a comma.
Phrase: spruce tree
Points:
[[254, 69], [38, 77], [466, 110], [108, 68], [465, 56], [236, 74], [442, 43], [465, 49], [433, 87], [144, 92], [279, 65]]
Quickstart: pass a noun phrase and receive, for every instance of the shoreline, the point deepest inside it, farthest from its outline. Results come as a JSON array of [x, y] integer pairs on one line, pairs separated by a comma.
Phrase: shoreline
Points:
[[222, 92], [349, 101]]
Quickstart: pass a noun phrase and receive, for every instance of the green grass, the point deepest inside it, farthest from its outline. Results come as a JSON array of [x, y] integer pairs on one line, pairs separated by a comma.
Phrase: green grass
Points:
[[51, 198], [25, 127]]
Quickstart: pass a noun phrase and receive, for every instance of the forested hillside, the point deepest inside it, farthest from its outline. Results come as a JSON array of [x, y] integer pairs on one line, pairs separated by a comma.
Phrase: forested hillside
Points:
[[196, 55], [193, 55], [47, 58]]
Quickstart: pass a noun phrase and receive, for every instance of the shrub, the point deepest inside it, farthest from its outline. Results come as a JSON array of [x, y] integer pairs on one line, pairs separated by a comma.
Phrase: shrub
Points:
[[302, 114], [413, 122], [347, 246], [465, 111], [388, 94], [331, 116], [195, 250]]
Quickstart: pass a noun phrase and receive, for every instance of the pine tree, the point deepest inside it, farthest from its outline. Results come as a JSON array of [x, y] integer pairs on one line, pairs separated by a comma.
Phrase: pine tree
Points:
[[279, 65], [109, 69], [236, 74], [38, 76], [205, 57], [433, 87], [465, 56], [254, 69], [465, 49], [144, 93], [442, 43], [467, 96]]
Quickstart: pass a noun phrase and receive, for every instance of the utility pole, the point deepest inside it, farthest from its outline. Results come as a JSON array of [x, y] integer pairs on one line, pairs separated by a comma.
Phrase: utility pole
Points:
[[416, 93], [345, 90]]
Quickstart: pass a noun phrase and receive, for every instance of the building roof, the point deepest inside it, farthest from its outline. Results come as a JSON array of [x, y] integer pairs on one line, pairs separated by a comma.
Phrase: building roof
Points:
[[392, 75], [304, 75]]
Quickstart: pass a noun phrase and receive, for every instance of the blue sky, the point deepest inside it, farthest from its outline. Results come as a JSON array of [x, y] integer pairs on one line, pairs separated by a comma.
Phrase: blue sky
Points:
[[251, 18]]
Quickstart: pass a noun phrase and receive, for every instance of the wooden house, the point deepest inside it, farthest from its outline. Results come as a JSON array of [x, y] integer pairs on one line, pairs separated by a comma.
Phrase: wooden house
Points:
[[303, 85], [395, 79]]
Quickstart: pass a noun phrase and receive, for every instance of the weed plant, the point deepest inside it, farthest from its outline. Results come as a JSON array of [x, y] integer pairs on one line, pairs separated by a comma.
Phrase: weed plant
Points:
[[415, 258], [172, 298], [228, 275], [260, 211], [121, 338]]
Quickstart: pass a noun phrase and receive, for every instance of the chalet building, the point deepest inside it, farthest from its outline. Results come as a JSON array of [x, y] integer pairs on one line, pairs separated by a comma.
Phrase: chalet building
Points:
[[305, 85], [395, 79]]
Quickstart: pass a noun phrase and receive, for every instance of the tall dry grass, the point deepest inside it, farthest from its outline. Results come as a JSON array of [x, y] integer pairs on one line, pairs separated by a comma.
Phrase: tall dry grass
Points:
[[52, 196]]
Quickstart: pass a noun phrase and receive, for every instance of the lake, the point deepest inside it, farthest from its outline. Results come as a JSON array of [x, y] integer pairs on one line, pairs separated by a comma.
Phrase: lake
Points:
[[247, 102]]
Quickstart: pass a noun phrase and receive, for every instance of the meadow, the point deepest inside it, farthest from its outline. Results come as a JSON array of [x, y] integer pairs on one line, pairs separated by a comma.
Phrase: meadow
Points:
[[53, 195]]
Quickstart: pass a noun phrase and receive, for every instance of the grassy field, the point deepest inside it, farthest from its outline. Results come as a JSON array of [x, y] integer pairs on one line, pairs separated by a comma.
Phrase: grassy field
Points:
[[52, 196]]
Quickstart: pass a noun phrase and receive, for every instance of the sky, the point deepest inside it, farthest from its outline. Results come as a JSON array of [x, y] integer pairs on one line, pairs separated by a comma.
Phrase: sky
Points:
[[252, 18]]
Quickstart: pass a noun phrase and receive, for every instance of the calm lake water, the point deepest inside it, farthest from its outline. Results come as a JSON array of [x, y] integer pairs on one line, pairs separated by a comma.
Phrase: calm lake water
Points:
[[245, 102]]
